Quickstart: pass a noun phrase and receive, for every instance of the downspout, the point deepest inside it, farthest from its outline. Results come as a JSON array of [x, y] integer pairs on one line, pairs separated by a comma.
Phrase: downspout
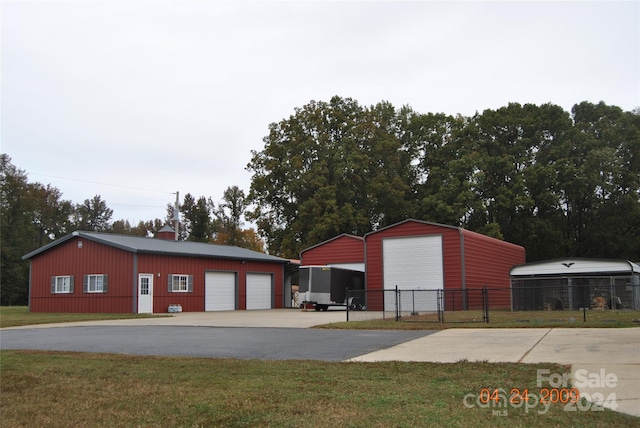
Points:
[[465, 298], [29, 297], [135, 284]]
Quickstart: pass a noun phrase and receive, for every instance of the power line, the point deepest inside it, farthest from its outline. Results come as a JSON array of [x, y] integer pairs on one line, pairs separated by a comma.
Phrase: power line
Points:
[[102, 184]]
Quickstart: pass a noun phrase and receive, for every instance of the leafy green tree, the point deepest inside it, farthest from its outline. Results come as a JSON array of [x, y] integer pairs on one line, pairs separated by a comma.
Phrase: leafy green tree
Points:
[[93, 215], [330, 168], [602, 182], [228, 222], [143, 228], [503, 139], [388, 171], [559, 184], [17, 232], [51, 214], [229, 215], [445, 161], [196, 218], [543, 233]]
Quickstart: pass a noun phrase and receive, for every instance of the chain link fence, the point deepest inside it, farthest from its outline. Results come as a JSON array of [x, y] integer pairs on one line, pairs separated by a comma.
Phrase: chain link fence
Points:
[[523, 304], [418, 305]]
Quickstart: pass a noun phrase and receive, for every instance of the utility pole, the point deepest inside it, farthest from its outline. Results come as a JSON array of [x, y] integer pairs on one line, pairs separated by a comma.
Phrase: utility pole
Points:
[[176, 213]]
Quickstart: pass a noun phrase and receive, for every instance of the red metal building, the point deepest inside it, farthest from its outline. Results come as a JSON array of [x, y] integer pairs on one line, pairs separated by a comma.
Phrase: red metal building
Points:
[[345, 251], [415, 254], [100, 272]]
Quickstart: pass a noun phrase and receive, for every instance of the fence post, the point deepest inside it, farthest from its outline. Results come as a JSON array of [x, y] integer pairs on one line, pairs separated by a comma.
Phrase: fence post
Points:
[[413, 298], [485, 304], [397, 304], [440, 297], [348, 303]]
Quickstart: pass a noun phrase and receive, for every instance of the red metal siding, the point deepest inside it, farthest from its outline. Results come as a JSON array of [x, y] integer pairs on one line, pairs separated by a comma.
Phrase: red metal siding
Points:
[[488, 262], [450, 246], [96, 258], [92, 258], [194, 301], [343, 249]]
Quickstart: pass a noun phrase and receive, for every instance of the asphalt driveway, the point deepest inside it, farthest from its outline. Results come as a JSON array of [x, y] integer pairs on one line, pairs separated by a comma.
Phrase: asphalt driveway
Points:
[[213, 342]]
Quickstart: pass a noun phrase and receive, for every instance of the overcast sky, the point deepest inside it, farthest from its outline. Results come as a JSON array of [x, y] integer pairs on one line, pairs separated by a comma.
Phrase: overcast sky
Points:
[[134, 100]]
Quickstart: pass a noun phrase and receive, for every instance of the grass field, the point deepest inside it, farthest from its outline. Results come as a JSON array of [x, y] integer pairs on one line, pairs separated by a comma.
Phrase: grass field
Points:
[[13, 316], [497, 319], [67, 389]]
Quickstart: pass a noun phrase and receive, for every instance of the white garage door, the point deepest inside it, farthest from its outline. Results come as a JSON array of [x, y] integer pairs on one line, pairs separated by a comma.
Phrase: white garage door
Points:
[[259, 291], [413, 263], [220, 291]]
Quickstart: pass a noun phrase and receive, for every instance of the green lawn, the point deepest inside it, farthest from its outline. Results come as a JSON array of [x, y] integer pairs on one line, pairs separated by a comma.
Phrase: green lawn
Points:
[[12, 316], [497, 319], [70, 389]]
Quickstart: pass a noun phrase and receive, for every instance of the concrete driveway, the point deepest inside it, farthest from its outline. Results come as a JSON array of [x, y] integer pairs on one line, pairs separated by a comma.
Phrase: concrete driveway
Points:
[[278, 318], [604, 361]]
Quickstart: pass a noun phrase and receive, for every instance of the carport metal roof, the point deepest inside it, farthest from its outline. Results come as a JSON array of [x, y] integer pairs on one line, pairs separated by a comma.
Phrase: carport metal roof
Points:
[[575, 266]]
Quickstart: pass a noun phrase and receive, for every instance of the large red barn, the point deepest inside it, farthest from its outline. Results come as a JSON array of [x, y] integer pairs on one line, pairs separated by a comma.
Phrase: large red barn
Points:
[[101, 272], [419, 255], [416, 254]]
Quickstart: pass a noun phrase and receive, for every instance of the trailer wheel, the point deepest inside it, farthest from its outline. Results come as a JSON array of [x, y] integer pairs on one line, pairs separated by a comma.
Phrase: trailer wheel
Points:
[[355, 304]]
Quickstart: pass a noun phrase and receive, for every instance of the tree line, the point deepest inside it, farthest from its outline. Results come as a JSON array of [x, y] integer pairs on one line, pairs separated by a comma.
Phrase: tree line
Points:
[[558, 183], [33, 215]]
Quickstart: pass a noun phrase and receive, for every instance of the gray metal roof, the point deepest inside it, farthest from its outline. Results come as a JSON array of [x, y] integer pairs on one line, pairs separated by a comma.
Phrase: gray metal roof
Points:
[[136, 244], [576, 265]]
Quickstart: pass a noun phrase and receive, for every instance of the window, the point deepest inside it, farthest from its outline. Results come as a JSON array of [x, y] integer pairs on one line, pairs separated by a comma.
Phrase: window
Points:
[[144, 285], [179, 283], [96, 283], [62, 284]]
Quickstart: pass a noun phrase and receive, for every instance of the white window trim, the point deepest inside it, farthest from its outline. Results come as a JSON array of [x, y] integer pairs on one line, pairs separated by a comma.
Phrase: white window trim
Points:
[[176, 279], [62, 290], [95, 277]]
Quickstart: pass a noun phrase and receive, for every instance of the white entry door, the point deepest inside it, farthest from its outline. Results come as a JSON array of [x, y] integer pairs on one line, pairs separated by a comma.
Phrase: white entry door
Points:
[[145, 293]]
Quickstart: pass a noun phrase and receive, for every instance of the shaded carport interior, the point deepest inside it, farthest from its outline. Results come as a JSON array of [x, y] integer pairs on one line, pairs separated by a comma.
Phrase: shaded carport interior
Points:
[[291, 271], [573, 283]]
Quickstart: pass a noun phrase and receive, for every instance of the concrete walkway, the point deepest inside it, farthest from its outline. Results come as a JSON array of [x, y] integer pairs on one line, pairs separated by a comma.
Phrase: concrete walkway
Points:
[[604, 361]]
